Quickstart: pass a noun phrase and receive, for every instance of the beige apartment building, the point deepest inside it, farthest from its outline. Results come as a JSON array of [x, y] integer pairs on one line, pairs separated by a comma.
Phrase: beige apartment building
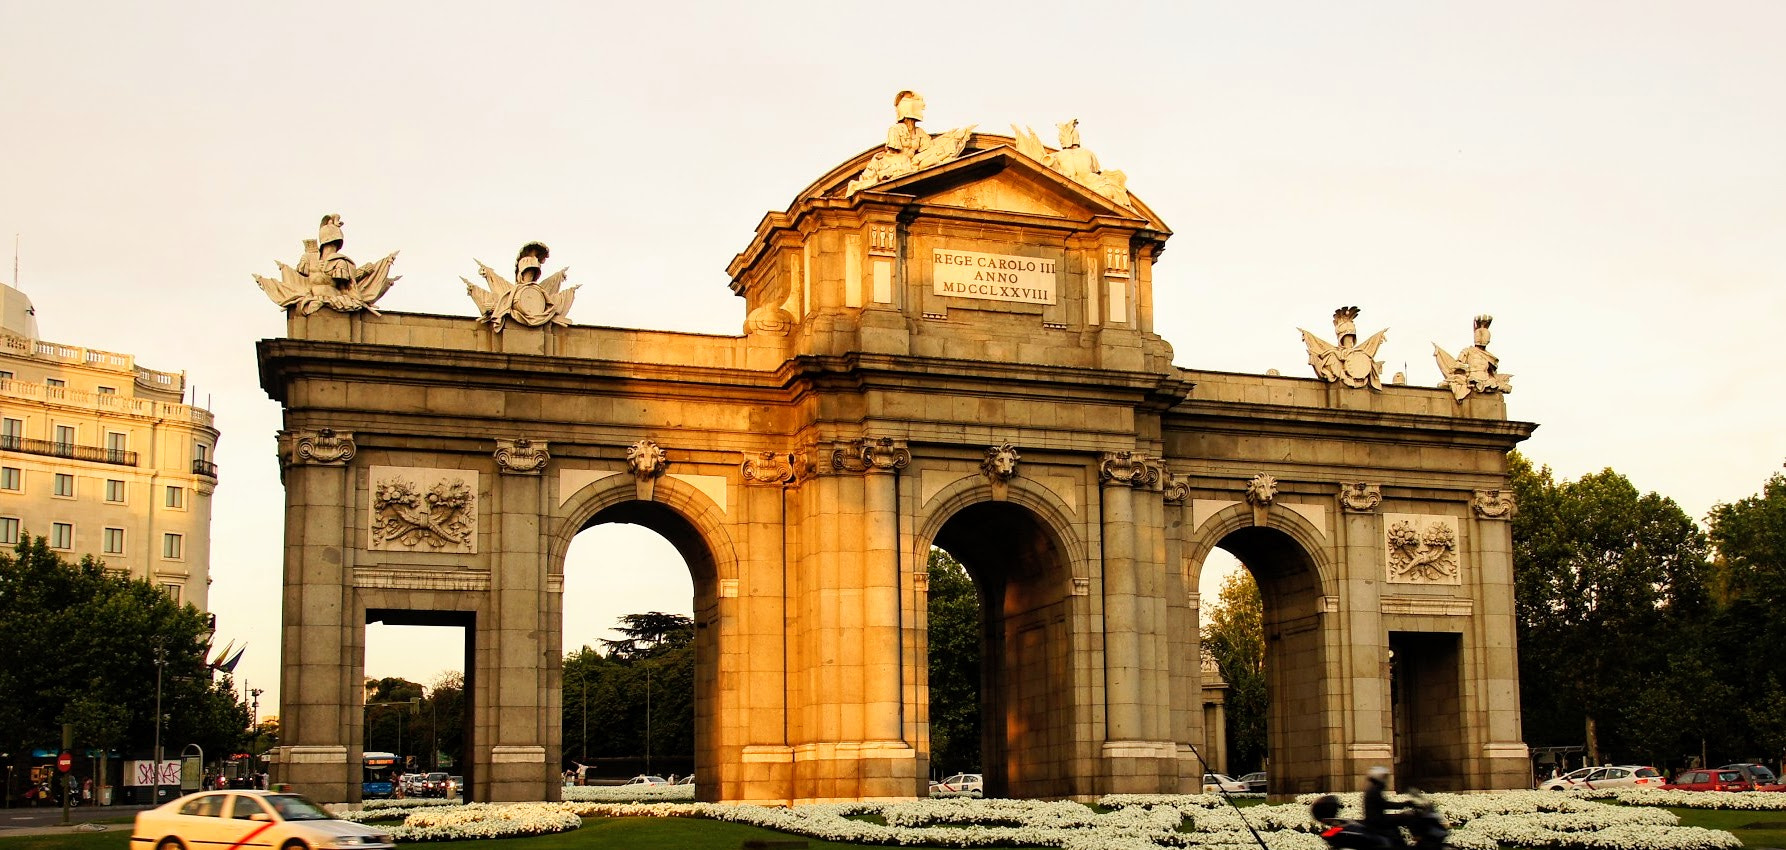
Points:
[[100, 457]]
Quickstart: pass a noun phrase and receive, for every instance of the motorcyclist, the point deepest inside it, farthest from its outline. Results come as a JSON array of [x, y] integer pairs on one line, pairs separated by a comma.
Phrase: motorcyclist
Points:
[[1381, 815]]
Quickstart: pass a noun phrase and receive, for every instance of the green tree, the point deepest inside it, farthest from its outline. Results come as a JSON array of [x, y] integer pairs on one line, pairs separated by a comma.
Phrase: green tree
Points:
[[1749, 537], [78, 645], [1608, 582], [954, 636], [393, 716], [646, 681], [1235, 638]]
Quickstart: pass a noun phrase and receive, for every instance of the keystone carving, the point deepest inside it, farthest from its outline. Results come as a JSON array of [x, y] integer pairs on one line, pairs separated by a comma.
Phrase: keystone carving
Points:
[[1129, 467], [1261, 491], [325, 277], [1360, 497], [440, 518], [645, 459], [323, 447], [768, 468], [1347, 363], [1493, 504], [1422, 550], [1474, 370], [521, 457], [1001, 462]]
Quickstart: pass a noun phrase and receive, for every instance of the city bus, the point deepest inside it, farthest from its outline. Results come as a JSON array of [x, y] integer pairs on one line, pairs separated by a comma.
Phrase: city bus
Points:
[[379, 781]]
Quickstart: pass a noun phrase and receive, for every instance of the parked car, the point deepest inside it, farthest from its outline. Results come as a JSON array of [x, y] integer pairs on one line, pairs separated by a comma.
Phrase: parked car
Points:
[[1759, 775], [959, 785], [1216, 783], [1606, 776], [686, 780], [645, 780], [236, 818], [1715, 779], [1254, 782], [455, 786], [434, 785]]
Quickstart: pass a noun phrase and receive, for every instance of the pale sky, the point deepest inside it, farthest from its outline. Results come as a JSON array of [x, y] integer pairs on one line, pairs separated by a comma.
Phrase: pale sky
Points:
[[1605, 178]]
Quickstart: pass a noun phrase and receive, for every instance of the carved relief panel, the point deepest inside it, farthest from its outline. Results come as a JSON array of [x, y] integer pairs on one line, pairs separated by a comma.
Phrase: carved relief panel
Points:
[[416, 509], [1422, 549]]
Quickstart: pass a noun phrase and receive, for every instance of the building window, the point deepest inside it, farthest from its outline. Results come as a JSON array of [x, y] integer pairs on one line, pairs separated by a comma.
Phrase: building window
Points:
[[108, 390], [9, 529], [62, 535], [54, 382], [11, 478], [64, 485], [176, 496], [173, 591], [116, 446], [171, 546], [64, 440], [114, 490], [5, 375], [114, 541], [12, 433]]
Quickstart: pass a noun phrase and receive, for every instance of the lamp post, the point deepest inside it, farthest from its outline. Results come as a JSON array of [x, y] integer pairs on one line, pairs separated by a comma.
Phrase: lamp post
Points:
[[254, 734], [160, 662]]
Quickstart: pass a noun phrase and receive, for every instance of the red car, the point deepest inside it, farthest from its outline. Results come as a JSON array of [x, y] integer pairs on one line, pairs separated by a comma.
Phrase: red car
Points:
[[1719, 779]]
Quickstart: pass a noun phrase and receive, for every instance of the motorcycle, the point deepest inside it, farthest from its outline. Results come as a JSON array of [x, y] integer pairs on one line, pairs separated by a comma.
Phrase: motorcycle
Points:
[[1422, 820]]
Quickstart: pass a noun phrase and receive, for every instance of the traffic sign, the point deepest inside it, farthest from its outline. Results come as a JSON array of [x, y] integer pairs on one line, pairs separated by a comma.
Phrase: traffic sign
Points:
[[64, 762]]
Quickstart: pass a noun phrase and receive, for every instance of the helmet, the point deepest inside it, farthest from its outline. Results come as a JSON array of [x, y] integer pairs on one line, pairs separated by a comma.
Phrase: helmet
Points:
[[1378, 774], [533, 255], [1325, 808], [329, 230]]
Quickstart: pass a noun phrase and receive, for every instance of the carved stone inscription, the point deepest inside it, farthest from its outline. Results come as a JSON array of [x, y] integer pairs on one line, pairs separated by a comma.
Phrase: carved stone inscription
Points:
[[414, 509], [993, 277], [1421, 549]]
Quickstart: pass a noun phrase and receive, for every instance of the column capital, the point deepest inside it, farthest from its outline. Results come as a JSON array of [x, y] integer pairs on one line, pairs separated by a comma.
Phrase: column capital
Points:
[[1132, 468], [870, 455], [1360, 497], [319, 447], [522, 456]]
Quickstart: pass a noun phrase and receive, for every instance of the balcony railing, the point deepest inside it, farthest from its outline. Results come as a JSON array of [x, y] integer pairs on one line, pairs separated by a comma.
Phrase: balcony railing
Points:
[[205, 468], [13, 442]]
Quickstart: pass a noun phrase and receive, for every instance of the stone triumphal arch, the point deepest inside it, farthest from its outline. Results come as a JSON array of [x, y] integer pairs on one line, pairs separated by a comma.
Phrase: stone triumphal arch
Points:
[[948, 341]]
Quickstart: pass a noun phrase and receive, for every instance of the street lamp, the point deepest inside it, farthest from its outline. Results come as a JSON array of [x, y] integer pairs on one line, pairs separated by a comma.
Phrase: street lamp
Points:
[[160, 662], [254, 734], [414, 704]]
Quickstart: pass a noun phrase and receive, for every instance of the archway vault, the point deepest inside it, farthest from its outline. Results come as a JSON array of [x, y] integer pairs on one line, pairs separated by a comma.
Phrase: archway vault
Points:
[[875, 402]]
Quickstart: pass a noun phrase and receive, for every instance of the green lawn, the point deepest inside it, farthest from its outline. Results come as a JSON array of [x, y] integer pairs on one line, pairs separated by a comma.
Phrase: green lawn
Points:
[[1753, 829]]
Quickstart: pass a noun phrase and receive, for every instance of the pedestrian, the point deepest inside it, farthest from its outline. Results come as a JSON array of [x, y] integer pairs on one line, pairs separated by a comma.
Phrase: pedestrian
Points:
[[87, 790]]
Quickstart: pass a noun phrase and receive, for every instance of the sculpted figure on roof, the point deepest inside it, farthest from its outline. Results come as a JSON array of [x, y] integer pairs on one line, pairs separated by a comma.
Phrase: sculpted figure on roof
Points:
[[1347, 363], [908, 147], [325, 277], [528, 300], [1074, 161], [1474, 369]]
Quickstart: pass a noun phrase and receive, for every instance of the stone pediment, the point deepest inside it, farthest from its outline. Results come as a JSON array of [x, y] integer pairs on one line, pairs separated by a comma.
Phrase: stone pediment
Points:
[[993, 175]]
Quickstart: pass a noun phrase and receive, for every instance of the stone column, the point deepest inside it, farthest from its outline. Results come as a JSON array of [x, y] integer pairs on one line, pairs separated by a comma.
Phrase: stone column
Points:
[[1504, 760], [316, 755], [755, 717], [513, 648], [1122, 674], [1137, 681], [1362, 643]]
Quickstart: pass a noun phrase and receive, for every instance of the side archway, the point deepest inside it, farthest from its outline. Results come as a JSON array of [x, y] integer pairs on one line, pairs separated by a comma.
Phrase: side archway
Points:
[[1288, 559]]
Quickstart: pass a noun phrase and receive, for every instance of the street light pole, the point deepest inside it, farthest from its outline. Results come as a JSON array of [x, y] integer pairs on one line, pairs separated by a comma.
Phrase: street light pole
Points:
[[160, 662], [254, 734]]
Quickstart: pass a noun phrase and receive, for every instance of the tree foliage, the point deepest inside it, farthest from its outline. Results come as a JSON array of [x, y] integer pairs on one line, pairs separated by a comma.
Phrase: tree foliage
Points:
[[649, 672], [1235, 638], [78, 645], [954, 636]]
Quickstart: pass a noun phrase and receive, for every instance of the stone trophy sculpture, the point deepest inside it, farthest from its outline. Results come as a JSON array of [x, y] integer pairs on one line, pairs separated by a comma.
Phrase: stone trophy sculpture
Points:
[[1474, 369], [1347, 363], [1074, 161], [528, 300], [908, 147], [325, 277]]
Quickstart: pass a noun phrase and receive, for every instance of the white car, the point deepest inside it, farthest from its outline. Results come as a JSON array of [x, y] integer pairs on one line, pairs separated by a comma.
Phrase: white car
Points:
[[959, 785], [1217, 783], [1606, 776], [251, 820], [645, 780]]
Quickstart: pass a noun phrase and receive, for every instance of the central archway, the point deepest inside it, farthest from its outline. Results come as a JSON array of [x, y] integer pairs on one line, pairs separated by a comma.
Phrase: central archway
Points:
[[681, 519], [1021, 571]]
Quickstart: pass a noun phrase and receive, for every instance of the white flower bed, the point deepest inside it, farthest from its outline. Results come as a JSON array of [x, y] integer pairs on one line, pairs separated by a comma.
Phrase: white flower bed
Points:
[[1527, 819], [629, 793]]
